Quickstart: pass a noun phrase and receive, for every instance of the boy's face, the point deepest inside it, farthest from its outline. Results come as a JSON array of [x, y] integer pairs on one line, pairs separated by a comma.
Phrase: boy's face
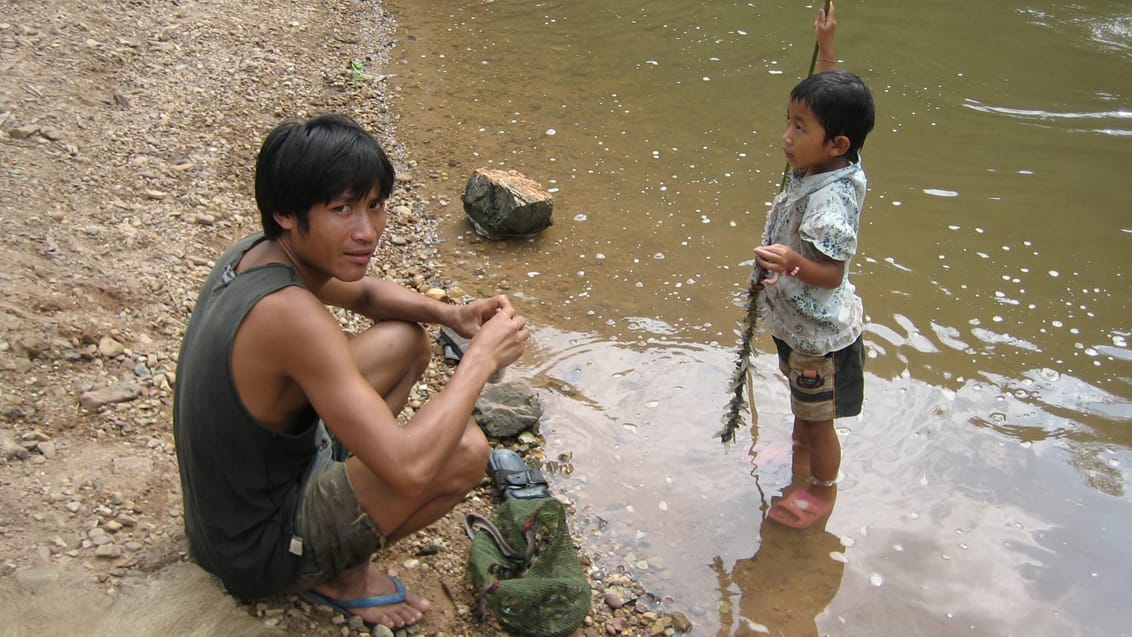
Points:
[[805, 145], [342, 235]]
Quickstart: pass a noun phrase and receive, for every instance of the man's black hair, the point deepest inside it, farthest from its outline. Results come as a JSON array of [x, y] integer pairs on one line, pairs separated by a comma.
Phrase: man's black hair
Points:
[[842, 103], [303, 164]]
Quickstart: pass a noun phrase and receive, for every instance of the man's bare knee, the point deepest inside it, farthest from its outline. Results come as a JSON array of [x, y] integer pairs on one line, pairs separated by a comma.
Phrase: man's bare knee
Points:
[[478, 448], [469, 461], [419, 345], [392, 353]]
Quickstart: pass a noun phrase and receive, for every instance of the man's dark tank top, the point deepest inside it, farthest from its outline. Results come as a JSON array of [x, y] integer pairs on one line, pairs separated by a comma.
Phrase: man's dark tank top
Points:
[[239, 480]]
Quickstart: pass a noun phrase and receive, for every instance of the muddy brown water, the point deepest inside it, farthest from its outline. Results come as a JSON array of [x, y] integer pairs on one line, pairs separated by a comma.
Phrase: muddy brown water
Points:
[[985, 487]]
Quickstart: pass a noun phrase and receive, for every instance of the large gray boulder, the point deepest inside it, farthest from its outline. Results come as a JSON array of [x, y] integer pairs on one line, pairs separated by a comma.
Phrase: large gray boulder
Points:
[[505, 204]]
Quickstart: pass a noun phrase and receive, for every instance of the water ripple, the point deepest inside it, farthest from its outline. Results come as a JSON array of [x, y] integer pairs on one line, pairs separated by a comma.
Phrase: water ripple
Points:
[[1041, 115], [1025, 113]]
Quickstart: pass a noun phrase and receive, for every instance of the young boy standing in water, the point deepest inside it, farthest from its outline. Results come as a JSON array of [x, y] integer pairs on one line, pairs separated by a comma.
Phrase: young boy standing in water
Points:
[[808, 304]]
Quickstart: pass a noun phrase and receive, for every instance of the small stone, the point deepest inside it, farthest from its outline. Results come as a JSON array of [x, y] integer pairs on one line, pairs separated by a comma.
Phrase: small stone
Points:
[[117, 393], [110, 348], [681, 622], [108, 551], [23, 132]]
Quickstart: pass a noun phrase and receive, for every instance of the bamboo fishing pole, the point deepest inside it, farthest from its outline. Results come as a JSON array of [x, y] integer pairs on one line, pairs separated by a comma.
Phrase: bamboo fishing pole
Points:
[[742, 375], [813, 65]]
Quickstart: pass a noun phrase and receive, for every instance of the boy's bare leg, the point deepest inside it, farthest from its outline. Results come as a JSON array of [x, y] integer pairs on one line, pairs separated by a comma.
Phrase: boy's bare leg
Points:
[[800, 460], [393, 356], [816, 462], [825, 458]]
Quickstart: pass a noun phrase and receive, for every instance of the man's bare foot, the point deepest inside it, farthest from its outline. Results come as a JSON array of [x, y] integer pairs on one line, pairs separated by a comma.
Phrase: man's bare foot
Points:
[[374, 596]]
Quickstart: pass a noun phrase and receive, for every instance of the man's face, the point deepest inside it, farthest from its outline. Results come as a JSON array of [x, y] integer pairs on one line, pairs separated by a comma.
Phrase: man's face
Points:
[[342, 235]]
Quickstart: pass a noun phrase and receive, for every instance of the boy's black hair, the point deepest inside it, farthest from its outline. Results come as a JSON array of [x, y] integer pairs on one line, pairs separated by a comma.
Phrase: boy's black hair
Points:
[[842, 103], [302, 164]]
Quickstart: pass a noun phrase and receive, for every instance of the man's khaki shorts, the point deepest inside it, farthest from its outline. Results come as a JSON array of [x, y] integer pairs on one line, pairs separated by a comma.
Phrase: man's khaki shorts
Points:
[[333, 532]]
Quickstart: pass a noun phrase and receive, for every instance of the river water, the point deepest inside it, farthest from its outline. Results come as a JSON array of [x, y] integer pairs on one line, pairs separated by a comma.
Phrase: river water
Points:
[[985, 488]]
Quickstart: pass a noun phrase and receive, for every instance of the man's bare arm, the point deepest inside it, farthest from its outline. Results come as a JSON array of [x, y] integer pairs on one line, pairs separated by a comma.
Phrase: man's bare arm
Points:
[[385, 300], [382, 300], [318, 359]]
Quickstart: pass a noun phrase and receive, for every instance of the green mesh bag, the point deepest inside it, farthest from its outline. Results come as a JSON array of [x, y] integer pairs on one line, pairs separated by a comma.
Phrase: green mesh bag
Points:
[[526, 570]]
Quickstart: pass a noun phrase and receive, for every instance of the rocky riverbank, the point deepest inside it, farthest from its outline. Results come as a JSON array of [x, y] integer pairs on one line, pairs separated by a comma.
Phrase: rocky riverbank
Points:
[[128, 133]]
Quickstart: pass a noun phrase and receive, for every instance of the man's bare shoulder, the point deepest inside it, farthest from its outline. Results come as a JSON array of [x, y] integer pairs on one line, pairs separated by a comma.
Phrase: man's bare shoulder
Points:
[[289, 334], [291, 308], [286, 347]]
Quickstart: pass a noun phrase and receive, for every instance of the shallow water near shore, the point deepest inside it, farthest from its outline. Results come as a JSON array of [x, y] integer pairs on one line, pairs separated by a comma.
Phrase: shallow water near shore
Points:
[[985, 487]]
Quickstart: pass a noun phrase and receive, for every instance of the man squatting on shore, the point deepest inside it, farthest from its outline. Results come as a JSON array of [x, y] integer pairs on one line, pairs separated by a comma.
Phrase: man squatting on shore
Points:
[[294, 467]]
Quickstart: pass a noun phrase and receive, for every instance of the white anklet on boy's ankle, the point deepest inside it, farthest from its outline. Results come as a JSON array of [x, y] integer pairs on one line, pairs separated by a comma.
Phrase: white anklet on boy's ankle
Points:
[[821, 483]]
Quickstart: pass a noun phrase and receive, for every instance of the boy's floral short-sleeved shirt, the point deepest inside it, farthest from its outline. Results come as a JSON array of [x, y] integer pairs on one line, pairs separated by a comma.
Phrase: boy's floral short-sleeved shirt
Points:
[[814, 215]]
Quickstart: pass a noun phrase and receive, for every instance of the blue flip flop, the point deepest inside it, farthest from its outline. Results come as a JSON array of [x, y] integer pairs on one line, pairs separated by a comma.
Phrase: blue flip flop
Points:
[[344, 605]]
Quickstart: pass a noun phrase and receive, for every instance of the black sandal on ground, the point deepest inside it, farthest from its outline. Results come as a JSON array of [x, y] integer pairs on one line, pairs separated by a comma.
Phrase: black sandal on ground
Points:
[[452, 343], [513, 478]]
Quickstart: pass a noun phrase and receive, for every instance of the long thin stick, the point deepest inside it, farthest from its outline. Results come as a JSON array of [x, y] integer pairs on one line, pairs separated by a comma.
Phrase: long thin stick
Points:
[[813, 65], [747, 326]]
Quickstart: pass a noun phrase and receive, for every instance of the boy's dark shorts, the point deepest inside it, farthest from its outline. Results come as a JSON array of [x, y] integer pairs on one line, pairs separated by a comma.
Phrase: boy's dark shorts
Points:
[[837, 390], [333, 530]]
